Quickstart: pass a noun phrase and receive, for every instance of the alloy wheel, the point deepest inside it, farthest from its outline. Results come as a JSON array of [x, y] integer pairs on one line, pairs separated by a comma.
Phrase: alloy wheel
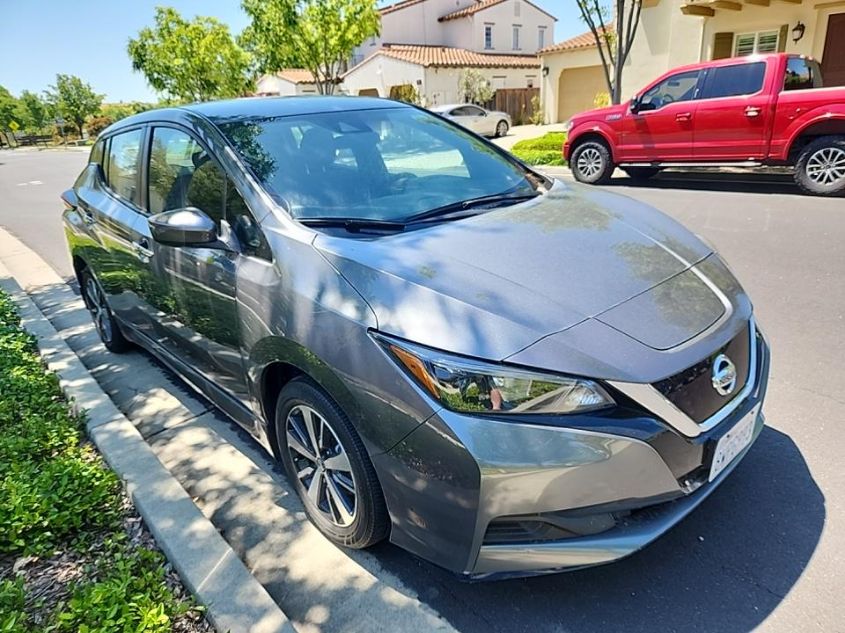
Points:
[[322, 465], [826, 166], [99, 309], [590, 162], [502, 128]]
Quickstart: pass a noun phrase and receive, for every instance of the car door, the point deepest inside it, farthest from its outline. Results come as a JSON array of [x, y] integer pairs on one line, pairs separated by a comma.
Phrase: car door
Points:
[[660, 128], [733, 113], [114, 209], [479, 122], [199, 324]]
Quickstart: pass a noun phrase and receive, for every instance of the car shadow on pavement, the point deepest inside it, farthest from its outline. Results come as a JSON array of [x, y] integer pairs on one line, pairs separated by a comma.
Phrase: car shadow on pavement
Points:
[[781, 184], [725, 567]]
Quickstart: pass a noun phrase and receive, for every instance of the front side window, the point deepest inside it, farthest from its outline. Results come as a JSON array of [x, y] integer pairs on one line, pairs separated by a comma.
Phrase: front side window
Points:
[[736, 80], [802, 74], [386, 164], [488, 36], [182, 174], [760, 42], [680, 87], [122, 165]]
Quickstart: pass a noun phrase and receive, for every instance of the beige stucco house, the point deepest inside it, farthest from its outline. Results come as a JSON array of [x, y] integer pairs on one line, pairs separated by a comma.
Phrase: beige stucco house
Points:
[[286, 83], [677, 32]]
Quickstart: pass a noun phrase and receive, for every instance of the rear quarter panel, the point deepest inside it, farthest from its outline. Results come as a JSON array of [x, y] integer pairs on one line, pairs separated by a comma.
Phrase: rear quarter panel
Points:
[[797, 110]]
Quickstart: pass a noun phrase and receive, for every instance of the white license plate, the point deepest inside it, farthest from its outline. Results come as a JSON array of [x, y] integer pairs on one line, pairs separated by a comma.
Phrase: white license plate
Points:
[[733, 443]]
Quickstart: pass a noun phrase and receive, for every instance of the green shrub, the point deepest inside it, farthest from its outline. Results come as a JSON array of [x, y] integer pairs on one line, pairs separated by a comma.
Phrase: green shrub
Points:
[[57, 495], [549, 141], [539, 156]]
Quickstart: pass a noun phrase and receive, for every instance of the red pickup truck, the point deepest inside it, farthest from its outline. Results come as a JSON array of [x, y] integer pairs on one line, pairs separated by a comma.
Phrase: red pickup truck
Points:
[[741, 112]]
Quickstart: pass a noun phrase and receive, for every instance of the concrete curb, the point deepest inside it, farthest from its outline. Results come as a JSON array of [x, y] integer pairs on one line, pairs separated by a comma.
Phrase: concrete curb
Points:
[[212, 572]]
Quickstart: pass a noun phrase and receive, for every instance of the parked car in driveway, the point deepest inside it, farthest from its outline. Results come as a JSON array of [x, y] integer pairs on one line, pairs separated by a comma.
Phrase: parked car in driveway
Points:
[[502, 373], [476, 118], [742, 112]]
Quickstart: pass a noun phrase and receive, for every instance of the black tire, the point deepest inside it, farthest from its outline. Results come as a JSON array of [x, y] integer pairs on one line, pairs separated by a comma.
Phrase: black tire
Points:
[[591, 163], [106, 325], [641, 173], [371, 522], [820, 169], [502, 128]]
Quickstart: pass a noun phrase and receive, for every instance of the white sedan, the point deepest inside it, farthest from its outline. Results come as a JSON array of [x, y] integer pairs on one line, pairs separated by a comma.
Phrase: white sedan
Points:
[[476, 118]]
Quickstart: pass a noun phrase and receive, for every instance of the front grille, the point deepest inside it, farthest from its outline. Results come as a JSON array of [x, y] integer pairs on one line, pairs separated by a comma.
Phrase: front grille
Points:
[[692, 390]]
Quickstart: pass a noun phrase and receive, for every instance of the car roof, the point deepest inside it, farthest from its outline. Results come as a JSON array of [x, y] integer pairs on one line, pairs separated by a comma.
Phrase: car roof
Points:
[[729, 61], [261, 107]]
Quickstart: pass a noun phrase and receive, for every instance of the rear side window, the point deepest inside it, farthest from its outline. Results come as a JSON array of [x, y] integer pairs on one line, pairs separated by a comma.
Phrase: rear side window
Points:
[[97, 152], [122, 166], [802, 74], [733, 81]]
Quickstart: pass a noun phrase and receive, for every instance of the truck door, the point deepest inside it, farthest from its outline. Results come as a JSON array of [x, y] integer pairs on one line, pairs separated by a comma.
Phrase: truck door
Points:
[[733, 113]]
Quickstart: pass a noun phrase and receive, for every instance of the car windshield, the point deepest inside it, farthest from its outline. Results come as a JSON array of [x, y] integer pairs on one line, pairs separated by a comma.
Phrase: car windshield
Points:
[[381, 164]]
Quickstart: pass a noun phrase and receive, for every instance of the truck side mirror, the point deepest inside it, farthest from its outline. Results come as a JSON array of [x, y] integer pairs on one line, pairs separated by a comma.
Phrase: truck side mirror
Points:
[[635, 104]]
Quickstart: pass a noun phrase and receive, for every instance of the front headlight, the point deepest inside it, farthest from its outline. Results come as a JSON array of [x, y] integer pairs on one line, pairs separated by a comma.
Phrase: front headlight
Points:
[[470, 386], [567, 127]]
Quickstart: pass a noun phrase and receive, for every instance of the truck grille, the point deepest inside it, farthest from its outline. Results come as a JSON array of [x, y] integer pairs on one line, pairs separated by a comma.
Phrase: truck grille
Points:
[[692, 389]]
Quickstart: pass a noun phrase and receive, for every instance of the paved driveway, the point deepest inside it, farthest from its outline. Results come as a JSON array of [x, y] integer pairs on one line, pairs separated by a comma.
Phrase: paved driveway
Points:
[[766, 549]]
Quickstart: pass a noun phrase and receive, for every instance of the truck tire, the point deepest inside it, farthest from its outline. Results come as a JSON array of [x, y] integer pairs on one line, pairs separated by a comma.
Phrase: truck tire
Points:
[[641, 173], [820, 169], [591, 163]]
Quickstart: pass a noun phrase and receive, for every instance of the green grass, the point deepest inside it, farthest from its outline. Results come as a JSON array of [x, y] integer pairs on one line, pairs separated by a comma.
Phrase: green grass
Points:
[[57, 495], [543, 150]]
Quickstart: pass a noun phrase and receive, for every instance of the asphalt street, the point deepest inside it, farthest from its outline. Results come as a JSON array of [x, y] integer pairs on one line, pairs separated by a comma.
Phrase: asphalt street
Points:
[[765, 550]]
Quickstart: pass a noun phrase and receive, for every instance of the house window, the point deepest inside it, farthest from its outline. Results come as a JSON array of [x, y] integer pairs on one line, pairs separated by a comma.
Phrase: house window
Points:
[[488, 36], [760, 42], [516, 9], [515, 37], [541, 37]]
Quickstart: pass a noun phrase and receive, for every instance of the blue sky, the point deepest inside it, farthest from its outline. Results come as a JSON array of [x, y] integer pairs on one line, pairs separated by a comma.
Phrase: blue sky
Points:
[[88, 38]]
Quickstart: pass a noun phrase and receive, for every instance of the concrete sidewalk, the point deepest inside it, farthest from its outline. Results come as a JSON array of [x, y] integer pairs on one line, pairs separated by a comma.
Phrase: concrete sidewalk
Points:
[[233, 481]]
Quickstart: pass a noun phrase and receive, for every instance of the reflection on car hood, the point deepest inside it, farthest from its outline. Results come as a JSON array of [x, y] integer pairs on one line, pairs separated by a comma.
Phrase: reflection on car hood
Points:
[[491, 285]]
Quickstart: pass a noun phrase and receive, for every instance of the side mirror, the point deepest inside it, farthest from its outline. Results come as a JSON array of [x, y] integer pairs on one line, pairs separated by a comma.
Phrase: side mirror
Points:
[[183, 227], [635, 104]]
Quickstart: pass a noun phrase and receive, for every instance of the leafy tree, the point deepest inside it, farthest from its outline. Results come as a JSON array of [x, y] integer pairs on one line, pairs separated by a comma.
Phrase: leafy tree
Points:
[[614, 35], [74, 100], [33, 111], [319, 35], [474, 87], [8, 112], [267, 37], [121, 110], [405, 92], [193, 60]]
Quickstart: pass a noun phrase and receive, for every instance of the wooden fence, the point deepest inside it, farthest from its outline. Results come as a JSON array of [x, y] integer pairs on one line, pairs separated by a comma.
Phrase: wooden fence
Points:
[[516, 102]]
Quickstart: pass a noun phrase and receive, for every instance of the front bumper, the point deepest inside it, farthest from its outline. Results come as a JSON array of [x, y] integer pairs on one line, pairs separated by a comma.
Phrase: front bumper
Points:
[[454, 483]]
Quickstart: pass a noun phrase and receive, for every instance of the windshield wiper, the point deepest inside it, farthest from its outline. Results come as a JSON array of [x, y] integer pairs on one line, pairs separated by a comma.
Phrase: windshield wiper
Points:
[[354, 225], [458, 208]]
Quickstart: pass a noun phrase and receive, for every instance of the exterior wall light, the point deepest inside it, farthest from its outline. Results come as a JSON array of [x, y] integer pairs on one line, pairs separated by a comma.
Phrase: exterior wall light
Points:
[[798, 31]]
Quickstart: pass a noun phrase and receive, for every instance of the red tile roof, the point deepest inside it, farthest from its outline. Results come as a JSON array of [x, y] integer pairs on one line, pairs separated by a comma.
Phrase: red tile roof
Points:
[[447, 57], [480, 5], [397, 6], [585, 40], [296, 75]]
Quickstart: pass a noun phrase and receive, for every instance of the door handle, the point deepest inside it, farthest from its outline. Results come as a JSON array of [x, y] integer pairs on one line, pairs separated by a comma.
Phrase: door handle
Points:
[[683, 116], [142, 249], [752, 111]]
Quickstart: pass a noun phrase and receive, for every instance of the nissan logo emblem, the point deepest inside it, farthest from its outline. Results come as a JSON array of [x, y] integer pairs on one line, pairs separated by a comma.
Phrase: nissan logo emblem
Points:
[[723, 375]]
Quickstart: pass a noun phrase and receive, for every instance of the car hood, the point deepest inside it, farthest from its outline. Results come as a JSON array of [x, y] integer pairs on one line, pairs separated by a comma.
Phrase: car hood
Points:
[[601, 114], [491, 285]]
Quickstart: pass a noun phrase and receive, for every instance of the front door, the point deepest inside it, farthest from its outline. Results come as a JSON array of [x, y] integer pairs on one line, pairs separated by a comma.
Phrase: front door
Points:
[[661, 130], [199, 324], [733, 114], [833, 60], [471, 117]]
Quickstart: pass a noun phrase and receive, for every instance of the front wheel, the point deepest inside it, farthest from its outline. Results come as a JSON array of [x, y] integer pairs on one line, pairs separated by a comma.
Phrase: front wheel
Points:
[[591, 163], [820, 170], [328, 466], [502, 128]]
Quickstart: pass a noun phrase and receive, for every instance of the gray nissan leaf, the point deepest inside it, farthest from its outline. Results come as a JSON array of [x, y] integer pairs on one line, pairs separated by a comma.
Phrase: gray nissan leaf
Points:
[[502, 373]]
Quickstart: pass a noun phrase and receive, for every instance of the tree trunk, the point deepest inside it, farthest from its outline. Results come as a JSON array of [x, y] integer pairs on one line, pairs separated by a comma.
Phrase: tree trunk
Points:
[[79, 125]]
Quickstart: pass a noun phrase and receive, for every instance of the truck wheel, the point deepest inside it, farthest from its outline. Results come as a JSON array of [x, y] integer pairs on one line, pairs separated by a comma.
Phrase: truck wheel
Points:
[[641, 173], [591, 163], [820, 170]]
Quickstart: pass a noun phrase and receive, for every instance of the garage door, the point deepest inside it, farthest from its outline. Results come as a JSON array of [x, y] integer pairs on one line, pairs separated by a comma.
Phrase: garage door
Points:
[[577, 89]]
